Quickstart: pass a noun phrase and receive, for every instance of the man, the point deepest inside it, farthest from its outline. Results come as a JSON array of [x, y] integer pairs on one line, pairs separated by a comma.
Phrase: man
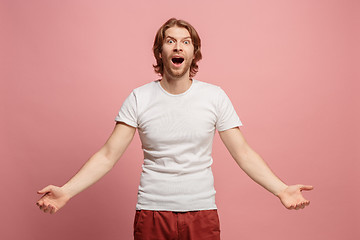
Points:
[[176, 118]]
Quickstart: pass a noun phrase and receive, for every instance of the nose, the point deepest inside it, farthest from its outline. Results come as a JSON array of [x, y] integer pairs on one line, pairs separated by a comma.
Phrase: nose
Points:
[[177, 47]]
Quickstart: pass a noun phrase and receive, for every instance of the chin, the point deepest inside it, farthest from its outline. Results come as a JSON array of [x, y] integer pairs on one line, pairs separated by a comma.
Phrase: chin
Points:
[[177, 74]]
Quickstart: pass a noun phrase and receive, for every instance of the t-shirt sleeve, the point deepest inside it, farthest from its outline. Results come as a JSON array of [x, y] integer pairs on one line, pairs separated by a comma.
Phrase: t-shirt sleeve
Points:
[[128, 111], [226, 114]]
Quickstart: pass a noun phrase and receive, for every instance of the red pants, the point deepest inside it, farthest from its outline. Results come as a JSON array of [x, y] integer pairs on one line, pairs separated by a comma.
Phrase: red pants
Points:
[[167, 225]]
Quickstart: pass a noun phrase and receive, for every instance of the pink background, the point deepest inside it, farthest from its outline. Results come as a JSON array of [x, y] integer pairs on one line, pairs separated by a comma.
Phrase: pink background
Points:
[[291, 69]]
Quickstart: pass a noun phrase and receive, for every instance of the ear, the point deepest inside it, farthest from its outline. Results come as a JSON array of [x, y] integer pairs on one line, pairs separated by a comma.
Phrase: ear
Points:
[[160, 56]]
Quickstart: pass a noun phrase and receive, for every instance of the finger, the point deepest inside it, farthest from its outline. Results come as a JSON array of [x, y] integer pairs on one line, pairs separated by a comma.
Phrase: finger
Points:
[[46, 209], [45, 189], [305, 203], [43, 209], [53, 210], [306, 187], [49, 208], [288, 205], [41, 203]]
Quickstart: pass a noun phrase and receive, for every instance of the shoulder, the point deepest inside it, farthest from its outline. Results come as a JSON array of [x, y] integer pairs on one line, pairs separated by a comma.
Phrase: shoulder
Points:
[[145, 90], [213, 92], [146, 87], [207, 87]]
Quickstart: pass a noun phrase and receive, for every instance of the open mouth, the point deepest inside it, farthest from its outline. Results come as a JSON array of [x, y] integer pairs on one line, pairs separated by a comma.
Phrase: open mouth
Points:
[[177, 60]]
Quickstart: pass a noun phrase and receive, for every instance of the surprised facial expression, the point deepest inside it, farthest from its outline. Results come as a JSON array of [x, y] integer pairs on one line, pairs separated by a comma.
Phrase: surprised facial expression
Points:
[[177, 52]]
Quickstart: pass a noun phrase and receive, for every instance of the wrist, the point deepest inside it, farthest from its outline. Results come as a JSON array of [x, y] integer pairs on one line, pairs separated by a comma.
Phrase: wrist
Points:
[[67, 192], [280, 190]]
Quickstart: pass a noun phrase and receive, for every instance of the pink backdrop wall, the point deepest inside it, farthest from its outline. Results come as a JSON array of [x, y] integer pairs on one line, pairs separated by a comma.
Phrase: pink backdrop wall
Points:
[[291, 69]]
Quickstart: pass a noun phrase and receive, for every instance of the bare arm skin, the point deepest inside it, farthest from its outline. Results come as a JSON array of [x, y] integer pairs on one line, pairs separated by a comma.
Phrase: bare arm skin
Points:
[[256, 168], [93, 170]]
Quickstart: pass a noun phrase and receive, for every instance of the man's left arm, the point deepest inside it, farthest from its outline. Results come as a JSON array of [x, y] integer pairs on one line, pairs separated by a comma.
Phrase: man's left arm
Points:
[[256, 168]]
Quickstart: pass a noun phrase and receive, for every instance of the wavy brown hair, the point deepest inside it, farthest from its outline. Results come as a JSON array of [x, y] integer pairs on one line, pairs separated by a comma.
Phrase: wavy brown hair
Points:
[[159, 40]]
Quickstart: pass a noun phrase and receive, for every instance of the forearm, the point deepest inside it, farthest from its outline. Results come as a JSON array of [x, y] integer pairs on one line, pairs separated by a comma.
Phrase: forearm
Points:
[[93, 170], [257, 169]]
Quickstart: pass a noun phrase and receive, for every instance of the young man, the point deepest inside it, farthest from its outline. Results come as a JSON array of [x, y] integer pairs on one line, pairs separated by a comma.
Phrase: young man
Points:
[[176, 118]]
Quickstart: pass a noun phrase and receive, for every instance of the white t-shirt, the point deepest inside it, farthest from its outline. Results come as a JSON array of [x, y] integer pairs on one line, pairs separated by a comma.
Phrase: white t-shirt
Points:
[[176, 133]]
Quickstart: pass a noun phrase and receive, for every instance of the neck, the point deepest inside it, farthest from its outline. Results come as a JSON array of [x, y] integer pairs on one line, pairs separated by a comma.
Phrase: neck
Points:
[[176, 85]]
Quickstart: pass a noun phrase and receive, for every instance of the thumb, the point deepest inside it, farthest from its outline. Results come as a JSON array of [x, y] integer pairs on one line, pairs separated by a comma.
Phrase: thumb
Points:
[[45, 190], [306, 187]]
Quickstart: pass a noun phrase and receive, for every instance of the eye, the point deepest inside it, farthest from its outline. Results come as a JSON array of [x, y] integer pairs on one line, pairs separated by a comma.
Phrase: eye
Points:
[[186, 42], [170, 41]]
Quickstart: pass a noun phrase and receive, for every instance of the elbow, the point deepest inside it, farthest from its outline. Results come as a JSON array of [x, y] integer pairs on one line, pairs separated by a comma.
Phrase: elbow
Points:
[[108, 158]]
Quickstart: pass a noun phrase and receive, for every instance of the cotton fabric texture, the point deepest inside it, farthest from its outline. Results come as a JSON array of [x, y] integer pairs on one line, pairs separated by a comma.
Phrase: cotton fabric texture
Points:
[[165, 225], [176, 133]]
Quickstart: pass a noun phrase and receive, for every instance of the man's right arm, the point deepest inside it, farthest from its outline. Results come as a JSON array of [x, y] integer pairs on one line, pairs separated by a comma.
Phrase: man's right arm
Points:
[[92, 171]]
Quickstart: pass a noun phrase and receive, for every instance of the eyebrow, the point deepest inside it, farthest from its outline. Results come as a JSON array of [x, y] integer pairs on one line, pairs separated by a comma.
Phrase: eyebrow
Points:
[[181, 39]]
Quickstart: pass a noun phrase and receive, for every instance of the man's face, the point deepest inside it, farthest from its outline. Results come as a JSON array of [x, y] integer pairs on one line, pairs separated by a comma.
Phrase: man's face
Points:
[[177, 52]]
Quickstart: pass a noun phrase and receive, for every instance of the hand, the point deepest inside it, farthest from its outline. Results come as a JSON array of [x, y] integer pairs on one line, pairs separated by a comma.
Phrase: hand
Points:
[[53, 199], [292, 198]]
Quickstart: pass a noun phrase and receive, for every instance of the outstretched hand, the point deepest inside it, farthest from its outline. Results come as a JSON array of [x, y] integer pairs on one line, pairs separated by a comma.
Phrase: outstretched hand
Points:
[[53, 199], [292, 198]]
